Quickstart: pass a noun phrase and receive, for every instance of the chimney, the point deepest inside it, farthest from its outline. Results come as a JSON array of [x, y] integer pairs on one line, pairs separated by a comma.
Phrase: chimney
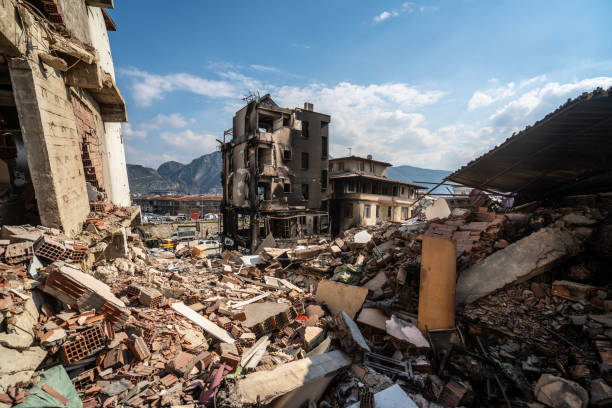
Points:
[[369, 157], [308, 106]]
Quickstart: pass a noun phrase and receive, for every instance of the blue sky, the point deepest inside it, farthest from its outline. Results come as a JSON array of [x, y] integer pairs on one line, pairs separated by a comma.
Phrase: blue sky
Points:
[[426, 83]]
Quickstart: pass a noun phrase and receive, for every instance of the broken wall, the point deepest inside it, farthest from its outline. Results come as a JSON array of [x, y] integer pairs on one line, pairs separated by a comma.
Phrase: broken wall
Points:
[[51, 141]]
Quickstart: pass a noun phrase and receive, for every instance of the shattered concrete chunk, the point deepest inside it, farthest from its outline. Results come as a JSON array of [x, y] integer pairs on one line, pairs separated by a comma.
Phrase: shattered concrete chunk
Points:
[[518, 262], [558, 392]]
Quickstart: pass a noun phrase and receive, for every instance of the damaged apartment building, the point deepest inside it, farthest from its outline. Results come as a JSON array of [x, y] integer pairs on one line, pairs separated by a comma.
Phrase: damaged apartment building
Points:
[[362, 195], [275, 174], [60, 112]]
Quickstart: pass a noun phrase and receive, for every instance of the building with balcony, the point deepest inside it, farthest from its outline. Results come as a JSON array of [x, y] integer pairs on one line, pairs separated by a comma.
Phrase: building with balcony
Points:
[[361, 193], [274, 174]]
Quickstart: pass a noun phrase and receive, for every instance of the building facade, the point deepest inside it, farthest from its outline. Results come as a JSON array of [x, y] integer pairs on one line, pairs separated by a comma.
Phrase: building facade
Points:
[[361, 193], [60, 112], [174, 205], [274, 175]]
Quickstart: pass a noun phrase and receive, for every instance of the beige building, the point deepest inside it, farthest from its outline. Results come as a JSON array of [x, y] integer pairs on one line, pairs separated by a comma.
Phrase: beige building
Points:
[[361, 193]]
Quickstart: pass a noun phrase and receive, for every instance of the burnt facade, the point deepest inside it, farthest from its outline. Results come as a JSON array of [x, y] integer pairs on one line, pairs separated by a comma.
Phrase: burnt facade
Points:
[[275, 176]]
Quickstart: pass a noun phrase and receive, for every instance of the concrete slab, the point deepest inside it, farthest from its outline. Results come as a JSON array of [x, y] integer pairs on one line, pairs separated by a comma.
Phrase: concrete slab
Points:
[[340, 297]]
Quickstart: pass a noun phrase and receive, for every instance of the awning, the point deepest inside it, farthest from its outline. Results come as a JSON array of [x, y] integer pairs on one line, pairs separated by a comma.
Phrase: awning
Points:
[[568, 152]]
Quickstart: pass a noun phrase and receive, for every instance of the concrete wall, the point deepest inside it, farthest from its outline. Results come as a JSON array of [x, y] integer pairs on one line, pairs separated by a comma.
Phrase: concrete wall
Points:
[[51, 141], [75, 19], [117, 186]]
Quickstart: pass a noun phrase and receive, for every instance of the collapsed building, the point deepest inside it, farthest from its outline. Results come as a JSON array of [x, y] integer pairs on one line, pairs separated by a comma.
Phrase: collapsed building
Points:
[[274, 174], [60, 112], [361, 193]]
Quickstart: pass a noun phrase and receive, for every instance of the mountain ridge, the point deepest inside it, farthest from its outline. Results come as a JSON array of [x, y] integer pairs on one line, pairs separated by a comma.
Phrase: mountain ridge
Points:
[[203, 176]]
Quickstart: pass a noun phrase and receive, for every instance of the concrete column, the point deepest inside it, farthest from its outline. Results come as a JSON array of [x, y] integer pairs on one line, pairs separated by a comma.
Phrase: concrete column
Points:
[[51, 143], [118, 188]]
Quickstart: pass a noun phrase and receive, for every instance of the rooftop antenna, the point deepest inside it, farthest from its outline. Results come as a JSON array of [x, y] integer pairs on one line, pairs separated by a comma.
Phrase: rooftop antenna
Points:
[[350, 149]]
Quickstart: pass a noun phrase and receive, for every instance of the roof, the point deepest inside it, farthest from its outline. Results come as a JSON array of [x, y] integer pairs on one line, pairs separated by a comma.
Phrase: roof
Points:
[[362, 158], [372, 177], [565, 153]]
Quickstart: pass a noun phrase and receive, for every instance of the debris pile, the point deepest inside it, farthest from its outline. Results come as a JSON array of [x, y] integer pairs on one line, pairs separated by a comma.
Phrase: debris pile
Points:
[[99, 319]]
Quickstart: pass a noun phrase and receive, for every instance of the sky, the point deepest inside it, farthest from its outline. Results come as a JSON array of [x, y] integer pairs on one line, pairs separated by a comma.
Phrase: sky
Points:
[[432, 84]]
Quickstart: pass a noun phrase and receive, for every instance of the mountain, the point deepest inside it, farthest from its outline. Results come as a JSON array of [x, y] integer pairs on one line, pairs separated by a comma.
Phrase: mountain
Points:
[[143, 180], [201, 176], [412, 174]]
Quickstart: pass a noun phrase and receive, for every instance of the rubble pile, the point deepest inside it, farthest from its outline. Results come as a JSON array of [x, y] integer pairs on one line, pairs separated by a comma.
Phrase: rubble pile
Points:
[[99, 320]]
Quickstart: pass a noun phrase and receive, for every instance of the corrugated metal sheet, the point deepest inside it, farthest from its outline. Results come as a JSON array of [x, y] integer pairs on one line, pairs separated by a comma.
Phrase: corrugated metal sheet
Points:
[[568, 152]]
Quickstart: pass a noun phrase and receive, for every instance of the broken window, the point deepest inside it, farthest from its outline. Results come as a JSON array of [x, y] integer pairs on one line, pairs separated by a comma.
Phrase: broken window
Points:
[[264, 157], [350, 187], [394, 191], [323, 180], [404, 213], [403, 190], [348, 211], [263, 191], [362, 187], [366, 211], [305, 191], [377, 211], [304, 160], [324, 148], [305, 132], [389, 212], [286, 154], [287, 187]]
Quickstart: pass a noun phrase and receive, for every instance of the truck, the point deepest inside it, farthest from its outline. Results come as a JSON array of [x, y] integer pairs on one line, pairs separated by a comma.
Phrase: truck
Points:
[[184, 235]]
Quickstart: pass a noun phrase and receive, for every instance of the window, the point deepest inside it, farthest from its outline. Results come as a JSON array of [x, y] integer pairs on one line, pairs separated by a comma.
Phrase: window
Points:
[[366, 211], [286, 155], [389, 212], [304, 160], [394, 189], [341, 166], [324, 148], [305, 130], [371, 167], [323, 180], [348, 211], [377, 211], [360, 165], [331, 166], [286, 187], [403, 190], [350, 187], [305, 191], [404, 213]]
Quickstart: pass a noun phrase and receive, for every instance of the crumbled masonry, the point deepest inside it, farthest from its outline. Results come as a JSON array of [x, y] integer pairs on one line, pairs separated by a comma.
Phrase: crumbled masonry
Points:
[[143, 327]]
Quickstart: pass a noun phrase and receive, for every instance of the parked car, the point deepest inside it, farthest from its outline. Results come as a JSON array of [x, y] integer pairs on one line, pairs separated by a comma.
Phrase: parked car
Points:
[[211, 244]]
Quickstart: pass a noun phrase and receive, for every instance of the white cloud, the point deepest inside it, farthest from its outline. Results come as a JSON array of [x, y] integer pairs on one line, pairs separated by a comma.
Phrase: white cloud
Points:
[[130, 133], [486, 98], [405, 8], [385, 15], [190, 141], [535, 103], [147, 88], [160, 121], [264, 68], [138, 156]]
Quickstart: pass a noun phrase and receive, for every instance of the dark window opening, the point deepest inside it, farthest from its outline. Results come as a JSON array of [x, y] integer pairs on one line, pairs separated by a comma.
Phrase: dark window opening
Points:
[[348, 211], [305, 191], [287, 187], [304, 160], [324, 148], [323, 180], [263, 191], [331, 166], [377, 211], [367, 211], [305, 130], [286, 155], [389, 212]]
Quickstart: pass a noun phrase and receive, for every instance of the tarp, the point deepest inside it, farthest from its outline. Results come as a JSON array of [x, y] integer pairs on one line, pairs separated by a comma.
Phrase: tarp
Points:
[[58, 379]]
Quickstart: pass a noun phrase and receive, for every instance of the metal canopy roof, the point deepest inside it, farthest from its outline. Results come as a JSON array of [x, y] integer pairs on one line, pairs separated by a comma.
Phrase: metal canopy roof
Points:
[[568, 152]]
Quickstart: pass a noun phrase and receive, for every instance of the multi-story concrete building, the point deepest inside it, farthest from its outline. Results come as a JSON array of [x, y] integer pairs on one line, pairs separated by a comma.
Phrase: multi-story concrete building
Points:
[[59, 112], [361, 193], [275, 174], [181, 204]]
